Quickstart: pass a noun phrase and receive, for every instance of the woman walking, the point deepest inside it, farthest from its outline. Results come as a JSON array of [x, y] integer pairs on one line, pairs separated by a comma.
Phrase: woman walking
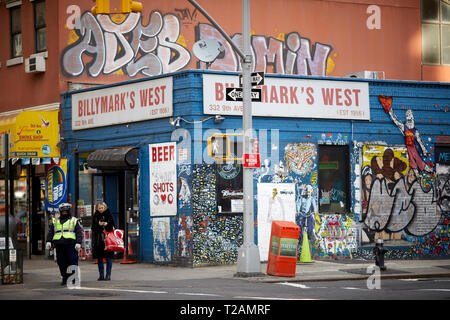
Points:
[[102, 220]]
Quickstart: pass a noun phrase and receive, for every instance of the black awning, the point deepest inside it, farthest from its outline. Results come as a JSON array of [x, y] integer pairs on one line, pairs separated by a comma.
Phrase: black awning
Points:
[[114, 158]]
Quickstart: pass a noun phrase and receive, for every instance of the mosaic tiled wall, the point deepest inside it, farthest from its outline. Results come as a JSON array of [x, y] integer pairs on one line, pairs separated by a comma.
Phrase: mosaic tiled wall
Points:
[[216, 237]]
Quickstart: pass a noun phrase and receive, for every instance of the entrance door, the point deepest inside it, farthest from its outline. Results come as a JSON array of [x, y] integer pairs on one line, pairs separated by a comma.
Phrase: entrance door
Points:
[[119, 190]]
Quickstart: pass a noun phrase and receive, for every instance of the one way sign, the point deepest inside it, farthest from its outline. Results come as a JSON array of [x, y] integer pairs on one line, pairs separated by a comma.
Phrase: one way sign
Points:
[[256, 78], [236, 94]]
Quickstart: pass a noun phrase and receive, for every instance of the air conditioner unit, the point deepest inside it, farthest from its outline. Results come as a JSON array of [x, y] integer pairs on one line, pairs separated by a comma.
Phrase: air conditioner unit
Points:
[[35, 64], [366, 75]]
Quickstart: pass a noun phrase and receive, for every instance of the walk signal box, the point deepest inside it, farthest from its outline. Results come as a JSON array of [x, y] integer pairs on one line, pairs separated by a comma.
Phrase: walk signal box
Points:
[[283, 246], [225, 147]]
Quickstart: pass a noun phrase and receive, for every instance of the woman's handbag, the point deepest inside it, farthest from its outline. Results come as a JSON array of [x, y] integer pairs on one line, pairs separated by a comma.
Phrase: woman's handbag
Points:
[[114, 240]]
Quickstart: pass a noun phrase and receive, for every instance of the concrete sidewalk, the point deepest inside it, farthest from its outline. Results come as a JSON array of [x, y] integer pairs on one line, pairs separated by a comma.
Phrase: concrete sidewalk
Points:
[[38, 271]]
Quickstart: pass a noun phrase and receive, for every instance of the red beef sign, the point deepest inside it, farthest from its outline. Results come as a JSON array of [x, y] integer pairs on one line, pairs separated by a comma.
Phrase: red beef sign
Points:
[[163, 179]]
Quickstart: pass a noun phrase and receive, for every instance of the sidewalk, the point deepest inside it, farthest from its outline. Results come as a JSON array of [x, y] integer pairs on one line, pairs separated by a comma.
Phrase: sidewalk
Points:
[[38, 271]]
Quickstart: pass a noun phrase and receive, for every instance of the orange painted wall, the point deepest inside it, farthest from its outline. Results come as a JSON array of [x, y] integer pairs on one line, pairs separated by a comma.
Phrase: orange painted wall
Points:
[[334, 33], [17, 88]]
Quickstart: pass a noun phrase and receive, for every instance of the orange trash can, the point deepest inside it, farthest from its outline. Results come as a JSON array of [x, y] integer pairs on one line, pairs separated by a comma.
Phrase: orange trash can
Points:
[[283, 245]]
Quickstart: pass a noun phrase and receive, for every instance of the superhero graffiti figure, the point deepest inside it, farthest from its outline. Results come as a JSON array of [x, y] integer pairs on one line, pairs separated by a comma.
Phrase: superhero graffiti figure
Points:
[[413, 140]]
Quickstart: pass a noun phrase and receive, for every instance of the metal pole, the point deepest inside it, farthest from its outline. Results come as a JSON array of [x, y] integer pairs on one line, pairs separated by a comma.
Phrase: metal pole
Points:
[[248, 263], [6, 153]]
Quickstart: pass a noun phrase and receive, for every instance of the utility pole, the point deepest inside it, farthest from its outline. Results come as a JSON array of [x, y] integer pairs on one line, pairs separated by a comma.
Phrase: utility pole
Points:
[[248, 263], [5, 152]]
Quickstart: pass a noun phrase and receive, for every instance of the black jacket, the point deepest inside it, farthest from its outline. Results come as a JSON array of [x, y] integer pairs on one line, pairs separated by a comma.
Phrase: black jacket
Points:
[[98, 238], [78, 232]]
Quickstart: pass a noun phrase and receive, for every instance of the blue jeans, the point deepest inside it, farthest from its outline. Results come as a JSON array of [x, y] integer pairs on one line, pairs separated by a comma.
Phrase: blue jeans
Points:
[[101, 268]]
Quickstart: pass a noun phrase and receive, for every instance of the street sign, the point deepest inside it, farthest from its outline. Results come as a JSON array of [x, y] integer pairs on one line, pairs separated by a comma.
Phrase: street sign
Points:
[[235, 94], [251, 160], [256, 78]]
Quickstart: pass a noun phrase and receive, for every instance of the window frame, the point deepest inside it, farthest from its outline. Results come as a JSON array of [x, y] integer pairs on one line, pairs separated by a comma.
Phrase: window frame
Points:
[[440, 24], [14, 33], [39, 27]]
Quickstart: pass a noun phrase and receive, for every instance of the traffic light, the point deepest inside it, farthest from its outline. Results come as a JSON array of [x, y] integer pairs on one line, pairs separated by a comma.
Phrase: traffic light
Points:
[[223, 147], [101, 7], [127, 6]]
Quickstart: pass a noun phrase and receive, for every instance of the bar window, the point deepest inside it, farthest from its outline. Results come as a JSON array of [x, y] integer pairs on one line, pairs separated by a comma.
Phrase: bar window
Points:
[[334, 185], [40, 27], [16, 32]]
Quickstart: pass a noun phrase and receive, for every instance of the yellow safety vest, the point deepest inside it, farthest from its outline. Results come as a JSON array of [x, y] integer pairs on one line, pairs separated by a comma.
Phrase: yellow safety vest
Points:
[[65, 230]]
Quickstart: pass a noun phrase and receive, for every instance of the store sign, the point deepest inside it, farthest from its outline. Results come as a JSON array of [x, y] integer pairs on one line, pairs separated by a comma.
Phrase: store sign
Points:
[[163, 179], [133, 102], [36, 135], [56, 185], [295, 98], [251, 160]]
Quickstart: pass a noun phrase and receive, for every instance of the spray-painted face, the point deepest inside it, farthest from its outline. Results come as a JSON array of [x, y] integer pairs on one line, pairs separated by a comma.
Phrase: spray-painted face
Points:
[[409, 119]]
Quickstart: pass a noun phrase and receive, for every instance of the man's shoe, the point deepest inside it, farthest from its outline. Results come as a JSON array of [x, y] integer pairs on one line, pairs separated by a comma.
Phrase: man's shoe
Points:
[[108, 278], [101, 278]]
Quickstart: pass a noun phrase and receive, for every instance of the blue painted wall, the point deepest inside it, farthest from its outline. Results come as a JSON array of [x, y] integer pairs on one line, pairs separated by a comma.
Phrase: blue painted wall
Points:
[[199, 235]]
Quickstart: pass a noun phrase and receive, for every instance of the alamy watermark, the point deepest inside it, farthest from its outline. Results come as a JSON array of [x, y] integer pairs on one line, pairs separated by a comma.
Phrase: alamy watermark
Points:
[[374, 280], [74, 280]]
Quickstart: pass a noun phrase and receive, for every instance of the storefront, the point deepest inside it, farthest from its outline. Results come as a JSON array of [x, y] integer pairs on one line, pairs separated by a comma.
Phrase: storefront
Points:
[[33, 148], [348, 160]]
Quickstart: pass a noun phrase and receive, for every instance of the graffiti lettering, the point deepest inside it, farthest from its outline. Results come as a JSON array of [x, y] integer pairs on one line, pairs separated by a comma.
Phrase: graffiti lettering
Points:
[[129, 46], [297, 58], [394, 197], [185, 14]]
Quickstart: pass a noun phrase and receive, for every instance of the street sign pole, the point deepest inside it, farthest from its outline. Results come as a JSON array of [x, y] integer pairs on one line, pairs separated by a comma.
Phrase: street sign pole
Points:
[[248, 263], [5, 151]]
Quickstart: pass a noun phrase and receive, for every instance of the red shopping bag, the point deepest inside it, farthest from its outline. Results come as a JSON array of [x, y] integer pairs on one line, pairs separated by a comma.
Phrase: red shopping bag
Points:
[[114, 240]]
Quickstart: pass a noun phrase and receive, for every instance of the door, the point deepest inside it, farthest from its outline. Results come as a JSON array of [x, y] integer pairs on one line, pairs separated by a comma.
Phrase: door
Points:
[[119, 190], [131, 192]]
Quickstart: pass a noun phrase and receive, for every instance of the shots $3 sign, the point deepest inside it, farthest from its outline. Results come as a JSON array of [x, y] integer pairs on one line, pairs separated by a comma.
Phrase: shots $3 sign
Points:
[[163, 179]]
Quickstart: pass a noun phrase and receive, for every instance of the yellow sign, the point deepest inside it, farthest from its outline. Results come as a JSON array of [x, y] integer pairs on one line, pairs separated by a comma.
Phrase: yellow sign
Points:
[[34, 135]]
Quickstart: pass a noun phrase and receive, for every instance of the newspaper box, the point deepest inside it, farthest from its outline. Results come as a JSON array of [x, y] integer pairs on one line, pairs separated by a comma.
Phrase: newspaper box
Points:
[[283, 249]]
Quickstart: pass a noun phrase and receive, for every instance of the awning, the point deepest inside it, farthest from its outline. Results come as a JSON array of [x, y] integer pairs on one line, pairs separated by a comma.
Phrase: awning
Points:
[[114, 158], [33, 134]]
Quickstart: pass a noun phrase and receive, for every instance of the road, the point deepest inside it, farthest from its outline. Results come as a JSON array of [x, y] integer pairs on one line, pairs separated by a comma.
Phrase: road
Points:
[[236, 289]]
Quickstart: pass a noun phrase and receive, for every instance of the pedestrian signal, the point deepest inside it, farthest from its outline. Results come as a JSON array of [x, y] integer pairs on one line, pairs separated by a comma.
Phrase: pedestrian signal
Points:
[[224, 147]]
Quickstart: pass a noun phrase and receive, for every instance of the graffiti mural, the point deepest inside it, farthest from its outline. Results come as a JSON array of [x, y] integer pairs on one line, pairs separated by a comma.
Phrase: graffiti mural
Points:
[[127, 45], [216, 237], [133, 45], [183, 231], [291, 55], [335, 237], [394, 198], [413, 140], [161, 239]]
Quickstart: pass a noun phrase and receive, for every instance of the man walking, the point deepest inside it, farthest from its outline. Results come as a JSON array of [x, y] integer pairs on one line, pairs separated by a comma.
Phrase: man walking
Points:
[[66, 234]]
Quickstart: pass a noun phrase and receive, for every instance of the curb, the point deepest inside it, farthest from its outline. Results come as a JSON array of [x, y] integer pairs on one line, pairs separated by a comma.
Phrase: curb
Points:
[[350, 278]]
